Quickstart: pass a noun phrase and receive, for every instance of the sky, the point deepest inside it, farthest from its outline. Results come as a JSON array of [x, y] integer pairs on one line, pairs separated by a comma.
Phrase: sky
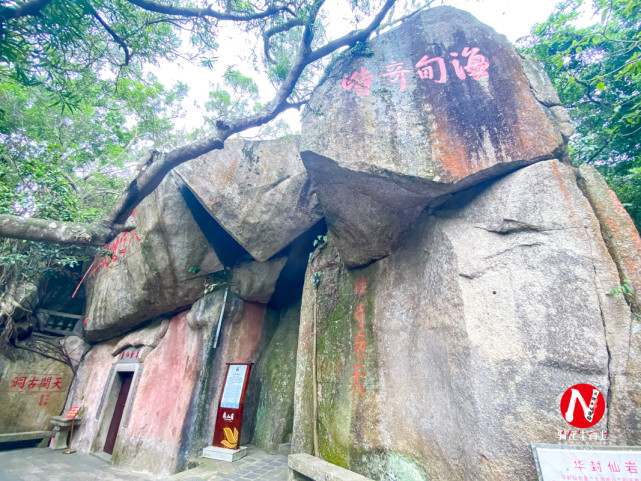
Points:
[[513, 18]]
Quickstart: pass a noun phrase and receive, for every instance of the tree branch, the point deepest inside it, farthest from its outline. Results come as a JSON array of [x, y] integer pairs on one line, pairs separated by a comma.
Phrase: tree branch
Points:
[[40, 230], [354, 37], [27, 9], [202, 12], [156, 165], [269, 33], [111, 32]]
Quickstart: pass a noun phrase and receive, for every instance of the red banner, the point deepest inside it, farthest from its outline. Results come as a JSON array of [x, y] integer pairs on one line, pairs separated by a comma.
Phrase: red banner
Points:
[[230, 407]]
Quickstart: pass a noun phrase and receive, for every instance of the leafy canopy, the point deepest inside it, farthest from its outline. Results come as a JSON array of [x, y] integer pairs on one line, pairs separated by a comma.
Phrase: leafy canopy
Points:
[[596, 70]]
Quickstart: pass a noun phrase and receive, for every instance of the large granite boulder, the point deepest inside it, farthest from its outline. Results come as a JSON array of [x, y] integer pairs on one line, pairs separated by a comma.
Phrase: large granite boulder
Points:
[[624, 244], [446, 359], [257, 191], [435, 105], [256, 281], [33, 387], [155, 269]]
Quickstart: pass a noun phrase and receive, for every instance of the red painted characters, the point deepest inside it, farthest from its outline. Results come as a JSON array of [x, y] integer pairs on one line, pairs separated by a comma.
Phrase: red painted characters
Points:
[[361, 81], [427, 68], [118, 248], [43, 384], [360, 340]]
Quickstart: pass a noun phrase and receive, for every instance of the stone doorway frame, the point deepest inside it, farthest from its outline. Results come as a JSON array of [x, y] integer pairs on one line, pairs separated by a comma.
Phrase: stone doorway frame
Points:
[[108, 403]]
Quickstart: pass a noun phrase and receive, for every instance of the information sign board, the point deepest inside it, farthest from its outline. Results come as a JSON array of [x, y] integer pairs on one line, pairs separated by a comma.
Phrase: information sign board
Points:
[[230, 407], [564, 462]]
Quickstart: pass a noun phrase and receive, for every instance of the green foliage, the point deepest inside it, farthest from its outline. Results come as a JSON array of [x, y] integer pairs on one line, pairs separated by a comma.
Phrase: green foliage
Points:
[[597, 73], [63, 165], [320, 240], [66, 41], [68, 140], [34, 260], [235, 98], [626, 289], [217, 279]]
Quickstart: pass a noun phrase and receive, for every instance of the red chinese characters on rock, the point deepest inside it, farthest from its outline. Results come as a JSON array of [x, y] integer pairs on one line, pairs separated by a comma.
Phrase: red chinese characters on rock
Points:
[[427, 68], [37, 383], [396, 74], [118, 248], [361, 81], [476, 66], [130, 353], [360, 341]]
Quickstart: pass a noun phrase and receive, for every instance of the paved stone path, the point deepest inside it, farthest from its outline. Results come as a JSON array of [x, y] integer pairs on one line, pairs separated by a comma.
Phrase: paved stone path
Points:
[[256, 465], [38, 464]]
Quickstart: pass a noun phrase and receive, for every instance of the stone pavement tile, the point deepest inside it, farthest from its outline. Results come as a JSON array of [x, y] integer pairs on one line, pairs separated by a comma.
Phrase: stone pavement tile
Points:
[[38, 464]]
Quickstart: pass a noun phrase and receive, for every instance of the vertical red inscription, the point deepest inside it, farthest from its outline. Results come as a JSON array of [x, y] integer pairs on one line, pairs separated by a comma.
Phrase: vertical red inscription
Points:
[[360, 340]]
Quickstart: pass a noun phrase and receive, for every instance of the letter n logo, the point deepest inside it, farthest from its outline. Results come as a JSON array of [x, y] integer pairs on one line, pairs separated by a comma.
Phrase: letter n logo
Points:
[[582, 405]]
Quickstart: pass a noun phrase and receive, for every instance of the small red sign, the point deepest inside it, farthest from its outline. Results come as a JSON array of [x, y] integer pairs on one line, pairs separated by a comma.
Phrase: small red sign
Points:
[[230, 407], [582, 405], [73, 412]]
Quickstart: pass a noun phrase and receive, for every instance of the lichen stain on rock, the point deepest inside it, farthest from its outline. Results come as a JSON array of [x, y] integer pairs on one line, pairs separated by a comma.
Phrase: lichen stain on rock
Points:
[[226, 174]]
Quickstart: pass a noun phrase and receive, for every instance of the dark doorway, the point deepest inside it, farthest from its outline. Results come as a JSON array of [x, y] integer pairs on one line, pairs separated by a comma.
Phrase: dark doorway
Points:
[[126, 378]]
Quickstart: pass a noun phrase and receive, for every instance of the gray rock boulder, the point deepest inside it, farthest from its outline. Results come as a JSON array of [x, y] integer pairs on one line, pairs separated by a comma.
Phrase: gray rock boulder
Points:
[[154, 270], [256, 281], [33, 388], [257, 191], [435, 105], [446, 359]]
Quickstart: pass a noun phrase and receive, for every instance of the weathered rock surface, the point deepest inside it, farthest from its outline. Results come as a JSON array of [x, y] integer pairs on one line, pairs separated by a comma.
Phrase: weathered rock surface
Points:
[[445, 360], [436, 105], [32, 389], [74, 348], [624, 244], [257, 191], [155, 269], [256, 281], [147, 336], [273, 384], [618, 230]]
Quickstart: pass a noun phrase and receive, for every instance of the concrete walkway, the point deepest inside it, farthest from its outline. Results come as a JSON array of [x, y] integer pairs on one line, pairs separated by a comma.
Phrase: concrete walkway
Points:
[[38, 464]]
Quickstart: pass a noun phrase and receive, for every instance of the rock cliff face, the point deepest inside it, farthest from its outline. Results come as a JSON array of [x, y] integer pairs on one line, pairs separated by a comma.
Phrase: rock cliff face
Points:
[[493, 289], [450, 356], [436, 105], [153, 270]]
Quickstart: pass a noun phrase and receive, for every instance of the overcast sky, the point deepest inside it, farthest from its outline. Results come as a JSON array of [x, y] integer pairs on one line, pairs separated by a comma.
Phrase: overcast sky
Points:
[[513, 18]]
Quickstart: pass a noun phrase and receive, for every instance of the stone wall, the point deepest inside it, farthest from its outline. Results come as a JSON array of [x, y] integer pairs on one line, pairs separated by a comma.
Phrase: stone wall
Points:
[[273, 384]]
